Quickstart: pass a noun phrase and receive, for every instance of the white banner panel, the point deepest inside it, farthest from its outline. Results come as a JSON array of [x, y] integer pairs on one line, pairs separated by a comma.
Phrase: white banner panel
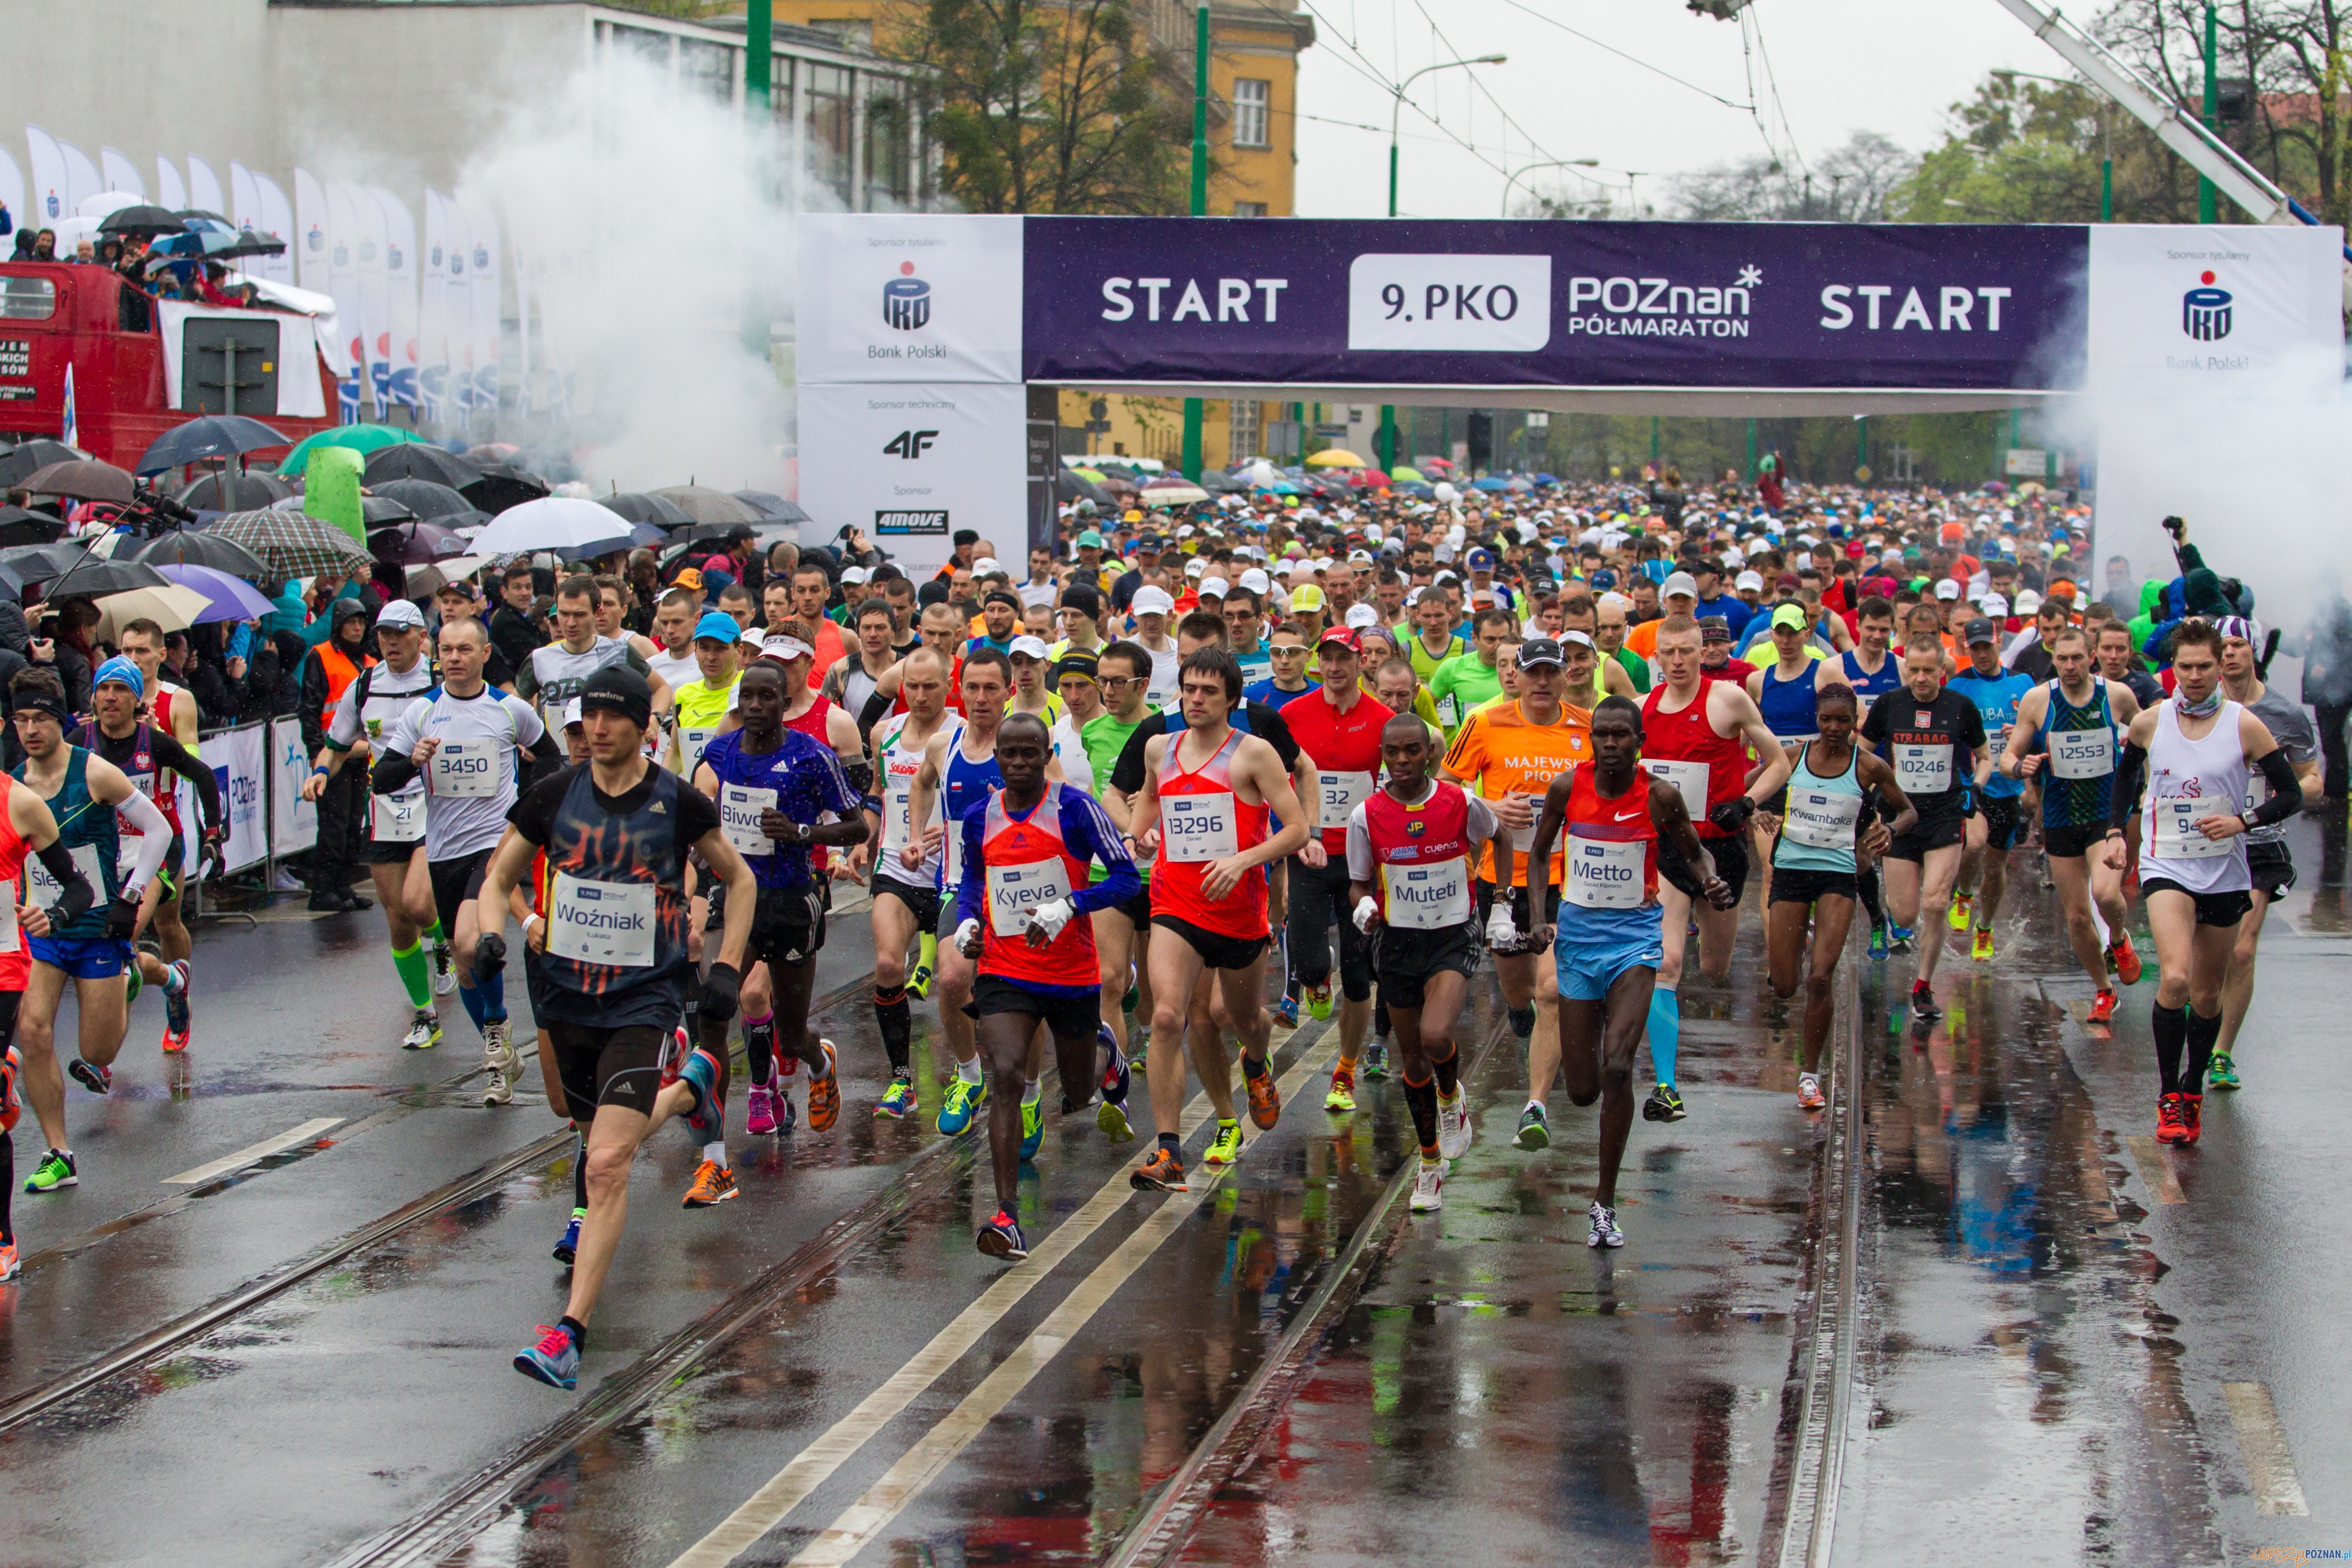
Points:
[[910, 466], [239, 761], [293, 821], [2225, 311], [927, 298]]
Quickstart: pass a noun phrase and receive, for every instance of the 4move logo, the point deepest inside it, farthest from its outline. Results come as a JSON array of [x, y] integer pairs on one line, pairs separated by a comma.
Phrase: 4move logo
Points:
[[907, 299], [2205, 312]]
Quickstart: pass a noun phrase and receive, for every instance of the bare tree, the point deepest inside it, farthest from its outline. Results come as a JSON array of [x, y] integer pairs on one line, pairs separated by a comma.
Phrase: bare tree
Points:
[[1849, 185]]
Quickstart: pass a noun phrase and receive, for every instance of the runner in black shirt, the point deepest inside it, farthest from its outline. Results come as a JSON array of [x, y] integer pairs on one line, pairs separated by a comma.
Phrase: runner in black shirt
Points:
[[1935, 741]]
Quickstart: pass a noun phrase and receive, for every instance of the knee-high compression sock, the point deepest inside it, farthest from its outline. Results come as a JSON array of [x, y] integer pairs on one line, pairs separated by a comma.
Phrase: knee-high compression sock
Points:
[[1449, 1072], [1866, 887], [927, 950], [1422, 1098], [1381, 1018], [2170, 1027], [580, 1171], [435, 935], [760, 1046], [494, 996], [897, 1020], [2202, 1032], [7, 1184], [471, 997], [416, 974], [1665, 1033]]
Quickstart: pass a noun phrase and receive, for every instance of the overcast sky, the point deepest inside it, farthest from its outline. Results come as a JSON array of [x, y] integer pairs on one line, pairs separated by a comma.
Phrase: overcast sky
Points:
[[1891, 65]]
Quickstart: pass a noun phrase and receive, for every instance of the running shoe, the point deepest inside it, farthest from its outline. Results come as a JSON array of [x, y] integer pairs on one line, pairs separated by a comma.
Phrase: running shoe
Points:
[[1923, 1001], [1341, 1099], [1877, 943], [133, 982], [1002, 1238], [56, 1170], [1663, 1105], [554, 1359], [825, 1093], [444, 969], [9, 1267], [897, 1102], [1534, 1133], [2125, 957], [1376, 1059], [760, 1111], [919, 982], [97, 1080], [1319, 1000], [2222, 1073], [1962, 903], [1226, 1146], [496, 1088], [1604, 1228], [1899, 937], [1111, 1117], [2103, 1006], [714, 1184], [1523, 1021], [1429, 1186], [1265, 1096], [177, 1020], [1980, 946], [1163, 1171], [2192, 1117], [568, 1250], [1286, 1013], [1809, 1091], [424, 1032], [1033, 1128], [498, 1046], [1454, 1132], [1118, 1074], [2168, 1128], [956, 1112]]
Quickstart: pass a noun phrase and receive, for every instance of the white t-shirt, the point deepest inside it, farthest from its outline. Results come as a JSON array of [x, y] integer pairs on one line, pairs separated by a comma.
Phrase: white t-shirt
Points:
[[471, 779], [675, 671]]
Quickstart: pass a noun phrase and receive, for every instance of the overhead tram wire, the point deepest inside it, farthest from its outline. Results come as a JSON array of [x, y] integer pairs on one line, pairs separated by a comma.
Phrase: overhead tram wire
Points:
[[1508, 122], [1631, 60], [1751, 37]]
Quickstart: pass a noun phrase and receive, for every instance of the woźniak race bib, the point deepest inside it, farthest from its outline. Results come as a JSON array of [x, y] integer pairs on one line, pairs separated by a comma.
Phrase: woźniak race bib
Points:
[[603, 922]]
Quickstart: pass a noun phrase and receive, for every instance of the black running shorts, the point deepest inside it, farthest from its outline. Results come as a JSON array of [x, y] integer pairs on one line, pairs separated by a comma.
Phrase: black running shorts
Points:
[[1403, 961], [2218, 909], [2272, 868], [1730, 854], [1792, 885], [458, 882], [608, 1066], [922, 903], [1217, 950], [1070, 1017]]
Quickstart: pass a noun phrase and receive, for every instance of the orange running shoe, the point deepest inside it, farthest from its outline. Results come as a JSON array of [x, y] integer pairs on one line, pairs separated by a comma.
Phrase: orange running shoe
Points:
[[1163, 1171], [2103, 1006], [2169, 1128], [2126, 961], [713, 1183], [2192, 1117], [825, 1093], [1265, 1099]]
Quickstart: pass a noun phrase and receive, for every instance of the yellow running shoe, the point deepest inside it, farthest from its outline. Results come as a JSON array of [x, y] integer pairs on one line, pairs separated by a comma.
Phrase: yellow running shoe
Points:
[[1981, 949], [1342, 1097], [1226, 1146], [1958, 918]]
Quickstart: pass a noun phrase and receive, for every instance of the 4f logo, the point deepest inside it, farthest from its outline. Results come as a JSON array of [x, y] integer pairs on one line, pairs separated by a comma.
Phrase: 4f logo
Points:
[[911, 444]]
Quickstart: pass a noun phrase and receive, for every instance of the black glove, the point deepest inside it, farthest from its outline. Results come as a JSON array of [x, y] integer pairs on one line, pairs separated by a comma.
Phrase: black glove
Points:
[[121, 918], [214, 839], [719, 992], [1733, 814], [489, 955]]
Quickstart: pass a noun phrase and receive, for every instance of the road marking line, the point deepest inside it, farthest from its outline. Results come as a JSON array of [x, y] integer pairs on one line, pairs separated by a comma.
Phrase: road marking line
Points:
[[815, 1463], [2155, 1170], [2263, 1441], [253, 1154]]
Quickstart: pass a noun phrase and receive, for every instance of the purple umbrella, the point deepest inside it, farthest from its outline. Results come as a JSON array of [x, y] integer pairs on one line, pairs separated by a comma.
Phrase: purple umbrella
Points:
[[233, 599]]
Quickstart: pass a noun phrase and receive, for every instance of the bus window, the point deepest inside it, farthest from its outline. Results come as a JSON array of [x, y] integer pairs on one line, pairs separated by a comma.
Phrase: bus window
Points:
[[27, 298]]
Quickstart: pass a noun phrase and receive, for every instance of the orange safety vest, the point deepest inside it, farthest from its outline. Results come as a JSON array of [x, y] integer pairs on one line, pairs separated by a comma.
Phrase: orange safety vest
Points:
[[340, 671]]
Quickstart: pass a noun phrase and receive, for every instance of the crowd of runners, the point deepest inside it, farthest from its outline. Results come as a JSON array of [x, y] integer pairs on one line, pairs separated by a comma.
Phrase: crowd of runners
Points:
[[1134, 803]]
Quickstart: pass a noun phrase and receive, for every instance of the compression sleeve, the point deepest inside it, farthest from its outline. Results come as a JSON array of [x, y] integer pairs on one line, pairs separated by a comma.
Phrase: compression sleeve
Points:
[[2286, 790], [2126, 795], [77, 895], [1362, 866], [877, 708], [188, 765], [154, 842], [394, 767], [1089, 831]]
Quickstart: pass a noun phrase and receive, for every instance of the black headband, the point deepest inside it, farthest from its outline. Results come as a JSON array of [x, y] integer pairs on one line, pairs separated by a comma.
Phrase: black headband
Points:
[[46, 702]]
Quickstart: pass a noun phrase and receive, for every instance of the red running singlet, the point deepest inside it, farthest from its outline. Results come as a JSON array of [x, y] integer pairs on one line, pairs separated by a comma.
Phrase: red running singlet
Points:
[[1685, 741], [1202, 820], [1023, 863]]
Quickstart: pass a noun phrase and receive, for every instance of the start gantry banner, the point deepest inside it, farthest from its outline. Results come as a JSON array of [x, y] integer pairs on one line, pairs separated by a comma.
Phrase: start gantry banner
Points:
[[1516, 308]]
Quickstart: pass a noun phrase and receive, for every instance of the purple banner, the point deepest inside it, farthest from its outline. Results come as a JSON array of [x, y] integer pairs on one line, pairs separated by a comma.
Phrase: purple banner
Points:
[[1538, 303]]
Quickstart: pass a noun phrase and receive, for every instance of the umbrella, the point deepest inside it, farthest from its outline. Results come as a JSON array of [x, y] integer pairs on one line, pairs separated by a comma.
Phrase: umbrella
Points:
[[416, 460], [773, 507], [1370, 480], [34, 563], [293, 544], [214, 436], [235, 492], [1336, 457], [203, 218], [551, 523], [641, 506], [1165, 495], [19, 527], [412, 544], [210, 244], [359, 438], [229, 598], [1117, 484], [423, 497], [1070, 487], [380, 511], [491, 452], [500, 486], [168, 604], [1405, 474], [84, 479], [705, 505], [1419, 490], [26, 456], [1490, 482], [183, 547], [96, 578], [430, 578], [11, 584], [144, 221], [1091, 475]]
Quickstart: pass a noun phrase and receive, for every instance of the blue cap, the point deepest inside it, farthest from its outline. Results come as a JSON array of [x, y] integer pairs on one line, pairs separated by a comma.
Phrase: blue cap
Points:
[[1480, 561], [718, 626], [123, 673]]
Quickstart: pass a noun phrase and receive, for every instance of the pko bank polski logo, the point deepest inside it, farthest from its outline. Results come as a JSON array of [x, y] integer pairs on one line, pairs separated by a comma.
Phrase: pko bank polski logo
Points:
[[2205, 312], [907, 299]]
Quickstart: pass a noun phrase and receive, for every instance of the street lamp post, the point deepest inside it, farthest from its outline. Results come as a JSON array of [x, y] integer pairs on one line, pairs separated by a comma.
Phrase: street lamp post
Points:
[[1191, 460], [1546, 164]]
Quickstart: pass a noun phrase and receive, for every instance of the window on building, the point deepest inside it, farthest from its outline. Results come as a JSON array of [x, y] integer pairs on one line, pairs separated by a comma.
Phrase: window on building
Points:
[[830, 128], [706, 68], [889, 167], [642, 44], [1244, 431], [1250, 104], [1249, 209]]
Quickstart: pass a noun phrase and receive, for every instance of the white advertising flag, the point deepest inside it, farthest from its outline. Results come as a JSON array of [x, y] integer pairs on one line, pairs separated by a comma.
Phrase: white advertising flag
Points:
[[82, 180], [51, 189], [433, 313], [277, 220], [244, 209], [523, 328], [120, 173], [457, 312], [343, 283], [308, 241], [12, 190], [171, 191], [400, 293], [204, 187], [375, 298], [482, 263]]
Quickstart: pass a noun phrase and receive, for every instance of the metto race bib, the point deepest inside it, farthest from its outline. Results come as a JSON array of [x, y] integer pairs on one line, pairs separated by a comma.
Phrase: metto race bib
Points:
[[396, 818], [1427, 897], [1605, 874], [603, 922], [1689, 779], [738, 818], [1197, 827], [1824, 821], [1013, 891], [2176, 836], [464, 768], [2082, 753], [1923, 769]]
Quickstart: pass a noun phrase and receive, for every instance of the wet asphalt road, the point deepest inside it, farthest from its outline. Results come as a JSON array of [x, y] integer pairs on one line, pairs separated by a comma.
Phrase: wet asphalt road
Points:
[[2050, 1360]]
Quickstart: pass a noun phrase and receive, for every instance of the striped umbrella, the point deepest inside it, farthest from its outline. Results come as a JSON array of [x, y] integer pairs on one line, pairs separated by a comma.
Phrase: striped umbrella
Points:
[[294, 544]]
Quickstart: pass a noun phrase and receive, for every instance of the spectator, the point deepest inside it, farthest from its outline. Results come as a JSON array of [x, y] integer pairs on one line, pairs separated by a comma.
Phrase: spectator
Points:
[[330, 667], [514, 631], [2327, 678]]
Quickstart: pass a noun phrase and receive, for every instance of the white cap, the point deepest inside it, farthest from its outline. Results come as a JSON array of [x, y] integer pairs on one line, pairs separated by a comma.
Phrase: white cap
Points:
[[1214, 586], [1680, 583], [2028, 601], [1734, 558], [1151, 602], [1196, 567], [1029, 647], [1359, 558], [1754, 579], [782, 648], [1323, 563], [1996, 605], [855, 574], [1362, 616], [571, 714], [985, 565], [1947, 588], [400, 612], [1186, 531], [1256, 582]]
